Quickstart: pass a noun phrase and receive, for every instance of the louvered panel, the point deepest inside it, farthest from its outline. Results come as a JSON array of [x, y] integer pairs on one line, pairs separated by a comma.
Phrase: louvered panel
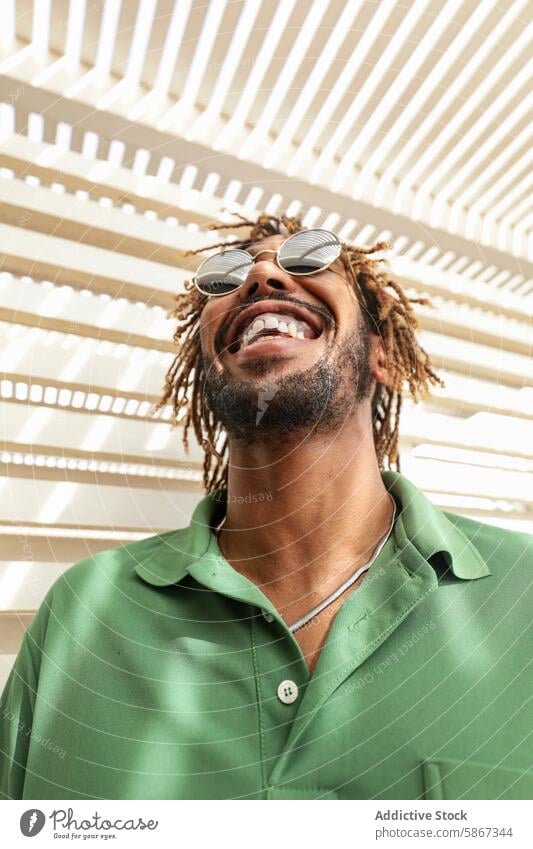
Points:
[[126, 129], [115, 228], [226, 167]]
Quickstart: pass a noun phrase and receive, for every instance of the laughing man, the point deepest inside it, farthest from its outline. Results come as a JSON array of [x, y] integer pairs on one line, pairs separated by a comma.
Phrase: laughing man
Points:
[[320, 629]]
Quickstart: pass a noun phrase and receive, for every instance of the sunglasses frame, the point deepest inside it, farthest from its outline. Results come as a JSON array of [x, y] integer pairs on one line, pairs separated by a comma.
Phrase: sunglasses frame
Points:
[[275, 251]]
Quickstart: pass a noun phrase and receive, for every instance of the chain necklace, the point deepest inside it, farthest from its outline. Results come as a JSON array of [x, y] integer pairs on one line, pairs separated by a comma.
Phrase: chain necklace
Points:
[[347, 583]]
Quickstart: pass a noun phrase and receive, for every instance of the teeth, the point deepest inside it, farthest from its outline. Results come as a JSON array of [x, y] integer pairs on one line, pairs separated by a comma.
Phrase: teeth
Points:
[[271, 321]]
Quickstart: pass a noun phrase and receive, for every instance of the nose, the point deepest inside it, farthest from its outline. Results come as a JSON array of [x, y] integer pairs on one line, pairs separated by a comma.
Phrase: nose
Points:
[[262, 278]]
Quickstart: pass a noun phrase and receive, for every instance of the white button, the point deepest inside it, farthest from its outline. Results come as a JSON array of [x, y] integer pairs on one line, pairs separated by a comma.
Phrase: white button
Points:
[[287, 692], [268, 616]]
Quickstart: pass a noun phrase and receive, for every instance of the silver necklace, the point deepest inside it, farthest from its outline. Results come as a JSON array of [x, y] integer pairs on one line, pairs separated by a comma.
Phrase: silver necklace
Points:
[[347, 583]]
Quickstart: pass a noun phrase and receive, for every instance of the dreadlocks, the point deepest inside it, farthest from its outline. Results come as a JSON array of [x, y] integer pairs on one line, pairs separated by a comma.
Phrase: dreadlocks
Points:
[[387, 311]]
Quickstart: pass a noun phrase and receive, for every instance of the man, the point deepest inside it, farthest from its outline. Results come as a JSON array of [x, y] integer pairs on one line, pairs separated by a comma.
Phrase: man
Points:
[[320, 629]]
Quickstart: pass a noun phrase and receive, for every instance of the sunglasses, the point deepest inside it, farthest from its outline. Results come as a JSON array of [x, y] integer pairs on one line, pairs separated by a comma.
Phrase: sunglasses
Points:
[[302, 254]]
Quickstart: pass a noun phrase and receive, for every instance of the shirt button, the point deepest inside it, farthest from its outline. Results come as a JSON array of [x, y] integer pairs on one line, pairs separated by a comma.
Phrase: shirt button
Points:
[[287, 692], [268, 616]]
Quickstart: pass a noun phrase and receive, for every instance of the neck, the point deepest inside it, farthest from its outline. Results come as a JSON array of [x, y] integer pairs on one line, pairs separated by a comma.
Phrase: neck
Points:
[[303, 513]]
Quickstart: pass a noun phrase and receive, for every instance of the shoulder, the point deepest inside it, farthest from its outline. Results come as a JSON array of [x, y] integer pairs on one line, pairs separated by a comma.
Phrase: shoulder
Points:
[[117, 559], [104, 576]]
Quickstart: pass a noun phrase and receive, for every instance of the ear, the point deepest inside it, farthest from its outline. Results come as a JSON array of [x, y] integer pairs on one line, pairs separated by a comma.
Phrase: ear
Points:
[[378, 361]]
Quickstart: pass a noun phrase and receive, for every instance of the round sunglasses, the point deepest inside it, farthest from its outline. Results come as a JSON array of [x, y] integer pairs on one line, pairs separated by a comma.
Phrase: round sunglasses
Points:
[[302, 254]]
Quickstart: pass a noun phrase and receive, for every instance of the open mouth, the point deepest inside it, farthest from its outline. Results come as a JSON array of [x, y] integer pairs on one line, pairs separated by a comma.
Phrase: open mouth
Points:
[[278, 324]]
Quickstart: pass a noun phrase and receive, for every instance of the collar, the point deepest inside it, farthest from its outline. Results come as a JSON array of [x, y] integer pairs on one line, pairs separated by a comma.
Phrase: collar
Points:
[[167, 557], [434, 532]]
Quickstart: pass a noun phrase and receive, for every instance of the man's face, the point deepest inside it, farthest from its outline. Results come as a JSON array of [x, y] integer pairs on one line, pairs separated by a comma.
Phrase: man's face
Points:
[[307, 367]]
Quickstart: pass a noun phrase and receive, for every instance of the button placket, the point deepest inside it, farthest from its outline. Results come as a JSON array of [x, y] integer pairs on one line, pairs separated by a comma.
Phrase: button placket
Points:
[[276, 656], [390, 599]]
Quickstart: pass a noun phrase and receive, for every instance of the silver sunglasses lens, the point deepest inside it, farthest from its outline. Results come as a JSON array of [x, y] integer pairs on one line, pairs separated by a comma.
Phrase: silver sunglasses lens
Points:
[[223, 273], [309, 251]]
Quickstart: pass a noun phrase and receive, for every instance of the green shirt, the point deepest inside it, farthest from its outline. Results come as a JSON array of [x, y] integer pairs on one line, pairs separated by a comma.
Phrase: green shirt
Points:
[[151, 671]]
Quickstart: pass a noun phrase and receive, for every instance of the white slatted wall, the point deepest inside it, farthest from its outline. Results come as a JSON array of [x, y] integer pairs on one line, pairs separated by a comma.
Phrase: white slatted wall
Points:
[[127, 127]]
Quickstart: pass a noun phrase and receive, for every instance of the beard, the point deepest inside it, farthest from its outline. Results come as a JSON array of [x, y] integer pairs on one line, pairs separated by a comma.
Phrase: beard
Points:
[[319, 398]]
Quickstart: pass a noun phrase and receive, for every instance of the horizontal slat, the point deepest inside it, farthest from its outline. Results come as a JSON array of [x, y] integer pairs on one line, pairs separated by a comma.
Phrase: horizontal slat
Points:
[[81, 459], [83, 111], [482, 328], [90, 223], [23, 584], [48, 356], [464, 479], [86, 267], [64, 395], [462, 396], [96, 534], [45, 544], [82, 311], [88, 435], [479, 361], [500, 520], [435, 282], [101, 180], [179, 483], [467, 395], [420, 426], [48, 502], [83, 330]]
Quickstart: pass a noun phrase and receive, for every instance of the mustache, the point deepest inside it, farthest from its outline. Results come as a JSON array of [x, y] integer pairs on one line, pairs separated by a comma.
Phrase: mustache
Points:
[[323, 312]]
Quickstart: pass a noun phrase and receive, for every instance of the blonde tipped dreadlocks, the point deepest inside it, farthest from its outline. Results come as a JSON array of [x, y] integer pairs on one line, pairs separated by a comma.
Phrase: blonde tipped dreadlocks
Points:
[[387, 310]]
